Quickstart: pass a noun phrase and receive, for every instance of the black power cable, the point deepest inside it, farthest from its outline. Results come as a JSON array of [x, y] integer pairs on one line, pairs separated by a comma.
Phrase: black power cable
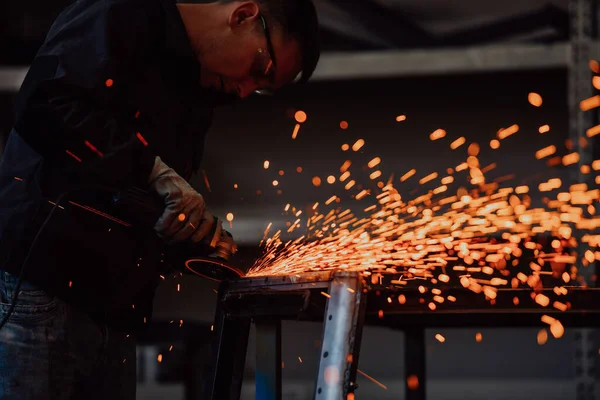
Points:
[[13, 303]]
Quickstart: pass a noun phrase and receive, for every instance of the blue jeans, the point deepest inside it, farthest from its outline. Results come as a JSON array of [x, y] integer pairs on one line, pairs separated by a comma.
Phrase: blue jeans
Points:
[[49, 350]]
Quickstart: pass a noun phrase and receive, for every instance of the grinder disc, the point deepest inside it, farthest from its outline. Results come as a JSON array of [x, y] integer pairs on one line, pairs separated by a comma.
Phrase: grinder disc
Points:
[[213, 268]]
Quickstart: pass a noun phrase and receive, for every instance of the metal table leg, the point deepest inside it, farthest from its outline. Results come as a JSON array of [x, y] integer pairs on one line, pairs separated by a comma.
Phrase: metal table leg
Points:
[[343, 323], [229, 355], [414, 363], [268, 359]]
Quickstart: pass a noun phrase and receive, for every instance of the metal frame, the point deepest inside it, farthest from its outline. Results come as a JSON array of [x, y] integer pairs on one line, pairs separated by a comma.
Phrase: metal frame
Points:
[[396, 63], [584, 23], [344, 302], [335, 297]]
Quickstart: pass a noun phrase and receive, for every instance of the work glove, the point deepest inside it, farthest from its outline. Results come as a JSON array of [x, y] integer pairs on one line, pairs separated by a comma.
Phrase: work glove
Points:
[[185, 216]]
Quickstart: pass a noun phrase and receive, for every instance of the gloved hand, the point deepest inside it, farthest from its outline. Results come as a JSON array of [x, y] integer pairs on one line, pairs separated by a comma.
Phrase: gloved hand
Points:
[[185, 216]]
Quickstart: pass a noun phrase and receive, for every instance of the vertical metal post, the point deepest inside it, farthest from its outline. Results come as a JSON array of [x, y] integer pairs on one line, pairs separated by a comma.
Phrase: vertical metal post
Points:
[[584, 48], [224, 381], [586, 353], [343, 323], [268, 359], [415, 363], [584, 23]]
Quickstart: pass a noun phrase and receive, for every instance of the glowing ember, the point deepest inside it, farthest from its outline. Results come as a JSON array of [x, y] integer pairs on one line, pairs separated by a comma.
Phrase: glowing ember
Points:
[[504, 133], [535, 99], [300, 117], [295, 132], [542, 337], [457, 143], [437, 134], [358, 145], [593, 131], [401, 118]]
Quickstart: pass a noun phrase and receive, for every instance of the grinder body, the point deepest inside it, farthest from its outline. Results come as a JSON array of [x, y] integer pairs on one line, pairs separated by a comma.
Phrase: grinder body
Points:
[[144, 209]]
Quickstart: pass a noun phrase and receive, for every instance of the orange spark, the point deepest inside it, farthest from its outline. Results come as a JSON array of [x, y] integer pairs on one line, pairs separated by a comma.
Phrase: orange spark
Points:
[[590, 103], [374, 162], [345, 166], [458, 142], [295, 132], [300, 117], [344, 125], [569, 159], [544, 129], [428, 178], [545, 152], [409, 174], [372, 379], [593, 131], [437, 134], [358, 145], [401, 118], [535, 99], [375, 175], [542, 337], [504, 133]]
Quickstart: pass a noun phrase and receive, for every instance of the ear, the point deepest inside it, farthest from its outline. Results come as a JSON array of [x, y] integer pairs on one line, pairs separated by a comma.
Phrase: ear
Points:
[[243, 13]]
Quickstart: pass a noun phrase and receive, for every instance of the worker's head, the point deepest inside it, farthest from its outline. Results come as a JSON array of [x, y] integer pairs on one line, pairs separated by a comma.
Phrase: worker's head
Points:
[[247, 46]]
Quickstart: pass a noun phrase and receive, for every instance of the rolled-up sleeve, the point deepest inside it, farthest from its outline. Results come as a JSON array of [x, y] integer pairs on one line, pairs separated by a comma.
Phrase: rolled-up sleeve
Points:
[[70, 108]]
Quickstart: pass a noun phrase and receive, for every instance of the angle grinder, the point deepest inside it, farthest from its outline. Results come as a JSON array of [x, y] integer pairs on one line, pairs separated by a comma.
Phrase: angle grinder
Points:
[[144, 209]]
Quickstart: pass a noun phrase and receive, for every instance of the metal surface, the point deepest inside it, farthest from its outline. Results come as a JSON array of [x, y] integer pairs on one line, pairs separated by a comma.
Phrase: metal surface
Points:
[[583, 49], [492, 58], [586, 353], [342, 321], [415, 363], [585, 20], [345, 302], [396, 63], [268, 359], [224, 381]]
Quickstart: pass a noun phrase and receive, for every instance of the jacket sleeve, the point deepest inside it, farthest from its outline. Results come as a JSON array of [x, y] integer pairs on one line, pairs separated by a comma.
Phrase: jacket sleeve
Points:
[[70, 106]]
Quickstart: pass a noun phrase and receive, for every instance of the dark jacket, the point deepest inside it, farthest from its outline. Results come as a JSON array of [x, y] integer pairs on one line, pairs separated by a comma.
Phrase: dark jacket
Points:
[[115, 84]]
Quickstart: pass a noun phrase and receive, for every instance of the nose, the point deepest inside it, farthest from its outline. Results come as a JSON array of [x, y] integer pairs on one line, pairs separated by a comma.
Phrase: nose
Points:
[[246, 88]]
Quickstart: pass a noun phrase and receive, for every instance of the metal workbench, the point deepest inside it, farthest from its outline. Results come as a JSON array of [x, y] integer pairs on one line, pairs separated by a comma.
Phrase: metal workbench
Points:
[[344, 301]]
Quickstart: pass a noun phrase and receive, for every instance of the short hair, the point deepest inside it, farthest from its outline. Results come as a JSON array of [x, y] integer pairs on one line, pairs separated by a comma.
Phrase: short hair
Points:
[[299, 21]]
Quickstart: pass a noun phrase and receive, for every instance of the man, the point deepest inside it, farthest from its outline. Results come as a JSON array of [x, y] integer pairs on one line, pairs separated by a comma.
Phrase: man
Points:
[[119, 96]]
